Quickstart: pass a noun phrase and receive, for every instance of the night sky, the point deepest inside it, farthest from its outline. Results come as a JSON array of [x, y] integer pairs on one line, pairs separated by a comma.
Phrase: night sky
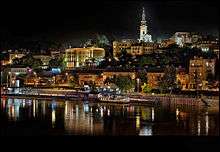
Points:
[[82, 20]]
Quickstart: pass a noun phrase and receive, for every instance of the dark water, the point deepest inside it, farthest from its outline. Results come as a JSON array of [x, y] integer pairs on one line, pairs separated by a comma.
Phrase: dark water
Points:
[[60, 117]]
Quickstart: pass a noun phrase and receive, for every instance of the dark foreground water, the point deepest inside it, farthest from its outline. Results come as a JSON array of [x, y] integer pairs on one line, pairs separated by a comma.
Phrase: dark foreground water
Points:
[[60, 117]]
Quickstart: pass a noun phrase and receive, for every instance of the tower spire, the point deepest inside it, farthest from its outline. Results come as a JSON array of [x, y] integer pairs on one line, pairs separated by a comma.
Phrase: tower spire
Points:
[[143, 21], [144, 36], [143, 15]]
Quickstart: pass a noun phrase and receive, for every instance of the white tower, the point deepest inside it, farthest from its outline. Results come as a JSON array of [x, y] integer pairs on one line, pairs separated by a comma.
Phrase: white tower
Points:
[[143, 30]]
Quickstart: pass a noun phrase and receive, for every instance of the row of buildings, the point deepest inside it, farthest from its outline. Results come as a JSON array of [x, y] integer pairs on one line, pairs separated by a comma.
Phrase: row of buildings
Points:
[[195, 77]]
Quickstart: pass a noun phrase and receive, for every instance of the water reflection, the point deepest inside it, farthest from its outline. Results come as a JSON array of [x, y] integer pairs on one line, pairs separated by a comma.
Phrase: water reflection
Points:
[[85, 118], [199, 127], [146, 131], [53, 117], [152, 113], [206, 123], [137, 122]]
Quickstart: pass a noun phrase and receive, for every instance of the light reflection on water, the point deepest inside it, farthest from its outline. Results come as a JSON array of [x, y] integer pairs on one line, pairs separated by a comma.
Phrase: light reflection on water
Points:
[[85, 118]]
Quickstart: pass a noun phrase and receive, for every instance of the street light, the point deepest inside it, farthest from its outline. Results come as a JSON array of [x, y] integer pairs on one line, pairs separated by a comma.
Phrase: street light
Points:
[[9, 75], [138, 83], [35, 74]]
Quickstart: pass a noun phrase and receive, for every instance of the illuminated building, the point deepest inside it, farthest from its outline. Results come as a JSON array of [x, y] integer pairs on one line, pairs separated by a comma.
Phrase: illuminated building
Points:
[[111, 74], [15, 55], [198, 71], [88, 78], [44, 58], [167, 42], [98, 77], [144, 36], [142, 48], [123, 44], [207, 43], [12, 76], [133, 47], [144, 45], [182, 38], [183, 78], [153, 79], [76, 57]]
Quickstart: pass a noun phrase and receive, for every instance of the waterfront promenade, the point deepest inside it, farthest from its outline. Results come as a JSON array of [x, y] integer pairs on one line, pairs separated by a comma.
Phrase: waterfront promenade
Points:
[[164, 99]]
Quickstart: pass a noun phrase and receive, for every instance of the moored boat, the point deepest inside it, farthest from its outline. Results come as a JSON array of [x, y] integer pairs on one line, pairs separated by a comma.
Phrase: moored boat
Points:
[[113, 98]]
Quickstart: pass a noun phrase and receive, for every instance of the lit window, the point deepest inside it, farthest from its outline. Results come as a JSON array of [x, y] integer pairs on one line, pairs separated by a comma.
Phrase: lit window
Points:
[[207, 63]]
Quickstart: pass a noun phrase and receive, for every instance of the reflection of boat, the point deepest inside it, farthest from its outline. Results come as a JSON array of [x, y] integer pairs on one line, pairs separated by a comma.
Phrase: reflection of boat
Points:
[[113, 98]]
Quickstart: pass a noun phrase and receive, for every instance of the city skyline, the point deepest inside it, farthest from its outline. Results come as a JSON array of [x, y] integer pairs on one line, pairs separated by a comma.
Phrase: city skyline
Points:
[[115, 19], [110, 69]]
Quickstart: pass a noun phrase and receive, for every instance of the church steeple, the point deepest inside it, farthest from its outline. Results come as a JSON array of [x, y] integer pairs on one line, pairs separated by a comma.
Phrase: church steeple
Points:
[[143, 21], [143, 15], [144, 36]]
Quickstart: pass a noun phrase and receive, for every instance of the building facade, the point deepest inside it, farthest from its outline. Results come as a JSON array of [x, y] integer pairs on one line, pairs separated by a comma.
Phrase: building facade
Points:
[[182, 38], [153, 79], [199, 69], [133, 47], [15, 55], [88, 78], [76, 57]]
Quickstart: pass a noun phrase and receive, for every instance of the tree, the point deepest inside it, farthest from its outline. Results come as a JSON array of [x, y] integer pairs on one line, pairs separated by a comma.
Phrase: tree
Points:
[[124, 83], [103, 42], [28, 61], [210, 77], [16, 61], [125, 59], [146, 88], [168, 81], [142, 75], [146, 60], [57, 62], [73, 81]]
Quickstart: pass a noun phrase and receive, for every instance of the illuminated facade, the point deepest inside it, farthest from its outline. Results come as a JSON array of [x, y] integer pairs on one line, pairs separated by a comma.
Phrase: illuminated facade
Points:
[[182, 38], [165, 43], [99, 78], [153, 79], [133, 48], [76, 57], [183, 79], [124, 44], [15, 55], [111, 74], [199, 68], [206, 44], [88, 78]]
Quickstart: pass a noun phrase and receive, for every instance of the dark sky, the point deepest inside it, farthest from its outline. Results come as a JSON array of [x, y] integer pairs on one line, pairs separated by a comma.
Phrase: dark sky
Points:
[[82, 20]]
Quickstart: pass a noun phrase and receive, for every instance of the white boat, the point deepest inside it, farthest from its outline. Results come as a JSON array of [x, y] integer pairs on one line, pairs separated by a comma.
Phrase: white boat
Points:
[[113, 98]]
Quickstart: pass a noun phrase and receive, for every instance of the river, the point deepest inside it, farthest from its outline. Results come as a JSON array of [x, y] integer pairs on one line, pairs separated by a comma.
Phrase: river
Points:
[[32, 116]]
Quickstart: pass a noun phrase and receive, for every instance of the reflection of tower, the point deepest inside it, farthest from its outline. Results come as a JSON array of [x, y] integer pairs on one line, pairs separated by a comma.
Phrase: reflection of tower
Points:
[[143, 29], [152, 113]]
